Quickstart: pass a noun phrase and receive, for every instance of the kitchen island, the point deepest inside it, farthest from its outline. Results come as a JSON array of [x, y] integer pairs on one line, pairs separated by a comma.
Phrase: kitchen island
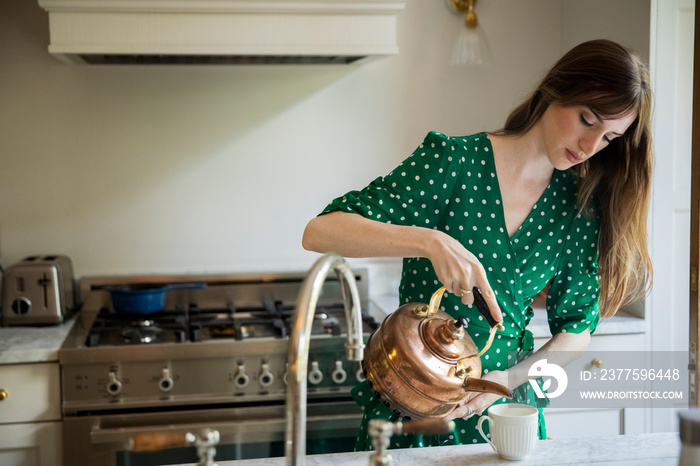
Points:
[[638, 450]]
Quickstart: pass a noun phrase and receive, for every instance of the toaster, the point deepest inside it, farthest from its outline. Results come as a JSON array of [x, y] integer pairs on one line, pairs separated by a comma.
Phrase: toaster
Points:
[[39, 290]]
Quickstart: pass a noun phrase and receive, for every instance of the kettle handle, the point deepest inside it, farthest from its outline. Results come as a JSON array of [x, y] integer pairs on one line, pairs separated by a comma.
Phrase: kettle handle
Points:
[[462, 368], [483, 308], [434, 302], [479, 302]]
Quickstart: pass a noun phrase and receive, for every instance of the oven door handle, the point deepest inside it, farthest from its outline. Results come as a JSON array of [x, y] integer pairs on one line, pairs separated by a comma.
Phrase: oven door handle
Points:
[[230, 429]]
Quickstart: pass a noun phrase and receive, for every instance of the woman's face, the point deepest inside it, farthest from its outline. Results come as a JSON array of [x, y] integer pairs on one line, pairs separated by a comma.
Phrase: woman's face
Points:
[[572, 135]]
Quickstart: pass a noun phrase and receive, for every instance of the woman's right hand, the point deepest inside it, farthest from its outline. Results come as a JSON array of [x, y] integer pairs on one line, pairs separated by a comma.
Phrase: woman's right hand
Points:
[[459, 271]]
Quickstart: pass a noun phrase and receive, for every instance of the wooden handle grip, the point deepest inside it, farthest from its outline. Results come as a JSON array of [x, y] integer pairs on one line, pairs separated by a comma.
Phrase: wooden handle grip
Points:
[[427, 427], [158, 441]]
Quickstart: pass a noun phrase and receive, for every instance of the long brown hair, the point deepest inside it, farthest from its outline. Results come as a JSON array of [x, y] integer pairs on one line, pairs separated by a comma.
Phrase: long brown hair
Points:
[[613, 82]]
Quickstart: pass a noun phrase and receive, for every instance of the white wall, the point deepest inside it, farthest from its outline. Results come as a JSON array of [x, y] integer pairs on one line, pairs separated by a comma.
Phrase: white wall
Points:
[[625, 21], [197, 169]]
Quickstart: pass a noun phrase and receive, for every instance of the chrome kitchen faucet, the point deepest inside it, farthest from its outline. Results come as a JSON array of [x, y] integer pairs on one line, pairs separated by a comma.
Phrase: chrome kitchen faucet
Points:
[[300, 333]]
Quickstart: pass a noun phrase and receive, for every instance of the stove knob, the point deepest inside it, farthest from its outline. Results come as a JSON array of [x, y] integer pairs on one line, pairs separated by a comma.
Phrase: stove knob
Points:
[[114, 387], [241, 378], [315, 375], [339, 375], [285, 378], [266, 378], [166, 383], [359, 373]]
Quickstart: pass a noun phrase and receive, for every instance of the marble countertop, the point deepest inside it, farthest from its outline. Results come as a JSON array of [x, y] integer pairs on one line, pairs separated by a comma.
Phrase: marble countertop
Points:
[[33, 344], [538, 325], [640, 450]]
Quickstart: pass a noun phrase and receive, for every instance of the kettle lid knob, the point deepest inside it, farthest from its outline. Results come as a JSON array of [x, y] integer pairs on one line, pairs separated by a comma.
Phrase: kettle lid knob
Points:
[[461, 322]]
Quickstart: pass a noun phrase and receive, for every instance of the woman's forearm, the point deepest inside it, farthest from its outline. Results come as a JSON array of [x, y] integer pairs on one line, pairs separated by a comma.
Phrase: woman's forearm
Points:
[[352, 235], [561, 349]]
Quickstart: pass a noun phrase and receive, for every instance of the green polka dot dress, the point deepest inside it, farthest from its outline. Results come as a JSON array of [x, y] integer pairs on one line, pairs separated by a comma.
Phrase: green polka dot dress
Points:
[[450, 184]]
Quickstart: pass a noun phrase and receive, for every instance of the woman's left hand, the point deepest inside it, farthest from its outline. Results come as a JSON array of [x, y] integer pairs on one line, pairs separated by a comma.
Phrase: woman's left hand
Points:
[[481, 401]]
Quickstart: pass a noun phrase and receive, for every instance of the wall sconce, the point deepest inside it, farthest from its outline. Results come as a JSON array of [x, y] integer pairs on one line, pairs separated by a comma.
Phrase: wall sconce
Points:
[[471, 47]]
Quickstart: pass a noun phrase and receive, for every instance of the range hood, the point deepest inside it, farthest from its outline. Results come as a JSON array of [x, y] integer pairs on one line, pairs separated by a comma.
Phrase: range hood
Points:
[[221, 31]]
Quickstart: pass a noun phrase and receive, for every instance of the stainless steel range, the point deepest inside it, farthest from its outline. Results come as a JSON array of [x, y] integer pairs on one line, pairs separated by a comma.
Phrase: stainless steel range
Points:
[[214, 357]]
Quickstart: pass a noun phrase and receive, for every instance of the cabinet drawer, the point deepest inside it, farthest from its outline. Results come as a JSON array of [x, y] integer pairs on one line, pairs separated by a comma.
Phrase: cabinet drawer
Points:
[[33, 393], [31, 444], [562, 423]]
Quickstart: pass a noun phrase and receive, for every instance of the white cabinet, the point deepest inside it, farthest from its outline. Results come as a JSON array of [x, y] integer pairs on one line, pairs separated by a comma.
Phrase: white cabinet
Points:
[[593, 422], [568, 423], [30, 415]]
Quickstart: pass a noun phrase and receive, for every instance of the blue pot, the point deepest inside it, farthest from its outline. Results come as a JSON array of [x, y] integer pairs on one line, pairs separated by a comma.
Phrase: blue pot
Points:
[[143, 298]]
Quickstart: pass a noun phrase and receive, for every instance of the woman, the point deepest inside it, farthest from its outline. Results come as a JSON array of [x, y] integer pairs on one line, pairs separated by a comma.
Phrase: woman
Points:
[[556, 200]]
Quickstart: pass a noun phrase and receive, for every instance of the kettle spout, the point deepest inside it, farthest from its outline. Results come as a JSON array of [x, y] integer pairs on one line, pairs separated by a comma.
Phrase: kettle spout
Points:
[[474, 384]]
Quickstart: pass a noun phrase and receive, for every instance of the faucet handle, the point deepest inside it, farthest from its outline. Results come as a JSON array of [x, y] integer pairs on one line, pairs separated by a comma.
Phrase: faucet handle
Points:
[[205, 440], [425, 427], [381, 432]]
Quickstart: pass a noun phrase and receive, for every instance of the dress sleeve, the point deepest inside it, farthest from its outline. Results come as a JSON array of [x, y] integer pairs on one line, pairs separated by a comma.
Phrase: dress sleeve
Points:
[[572, 300], [415, 193]]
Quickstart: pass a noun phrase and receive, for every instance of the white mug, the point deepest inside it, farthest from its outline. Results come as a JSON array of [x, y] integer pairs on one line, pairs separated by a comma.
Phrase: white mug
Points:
[[513, 429]]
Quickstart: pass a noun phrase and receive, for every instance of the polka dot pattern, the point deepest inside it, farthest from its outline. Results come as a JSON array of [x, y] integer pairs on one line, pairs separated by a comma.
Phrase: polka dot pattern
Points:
[[451, 184]]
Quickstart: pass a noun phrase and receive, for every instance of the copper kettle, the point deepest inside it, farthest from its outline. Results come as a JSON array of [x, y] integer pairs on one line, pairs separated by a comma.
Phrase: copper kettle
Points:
[[421, 363]]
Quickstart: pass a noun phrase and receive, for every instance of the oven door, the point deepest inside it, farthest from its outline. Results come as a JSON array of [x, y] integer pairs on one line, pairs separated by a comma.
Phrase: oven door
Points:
[[245, 433]]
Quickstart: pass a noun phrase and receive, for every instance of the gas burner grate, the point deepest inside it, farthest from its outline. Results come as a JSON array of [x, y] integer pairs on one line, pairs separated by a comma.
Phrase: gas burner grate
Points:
[[272, 319], [237, 323], [132, 329]]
